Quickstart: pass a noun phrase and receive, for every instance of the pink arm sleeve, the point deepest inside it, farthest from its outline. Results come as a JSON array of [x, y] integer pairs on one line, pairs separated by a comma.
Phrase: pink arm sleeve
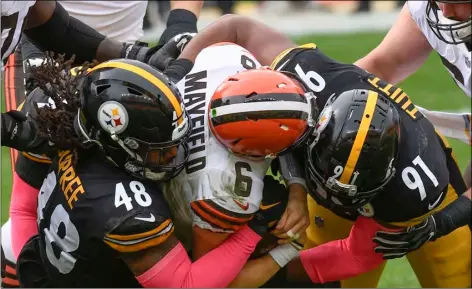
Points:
[[24, 200], [214, 270], [342, 259]]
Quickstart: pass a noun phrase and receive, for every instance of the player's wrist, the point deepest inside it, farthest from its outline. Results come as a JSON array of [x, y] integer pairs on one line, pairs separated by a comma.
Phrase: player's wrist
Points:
[[297, 192], [283, 254], [178, 68], [136, 52]]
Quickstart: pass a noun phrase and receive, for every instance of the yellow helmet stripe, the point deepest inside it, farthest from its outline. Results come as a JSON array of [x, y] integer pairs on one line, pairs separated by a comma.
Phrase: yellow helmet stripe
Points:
[[360, 137], [149, 77]]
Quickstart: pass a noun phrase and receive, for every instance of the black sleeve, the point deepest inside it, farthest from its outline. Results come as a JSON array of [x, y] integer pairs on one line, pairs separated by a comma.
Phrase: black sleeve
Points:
[[65, 34]]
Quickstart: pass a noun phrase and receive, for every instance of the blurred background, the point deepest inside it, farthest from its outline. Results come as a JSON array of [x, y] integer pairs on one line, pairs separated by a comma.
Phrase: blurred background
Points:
[[344, 30], [287, 16]]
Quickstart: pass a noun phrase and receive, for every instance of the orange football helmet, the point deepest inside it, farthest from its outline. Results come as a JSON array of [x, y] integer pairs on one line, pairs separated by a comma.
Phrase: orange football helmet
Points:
[[261, 113]]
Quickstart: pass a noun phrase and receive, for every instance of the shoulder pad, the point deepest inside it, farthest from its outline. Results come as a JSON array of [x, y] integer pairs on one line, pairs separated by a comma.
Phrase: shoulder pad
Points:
[[138, 217], [289, 53]]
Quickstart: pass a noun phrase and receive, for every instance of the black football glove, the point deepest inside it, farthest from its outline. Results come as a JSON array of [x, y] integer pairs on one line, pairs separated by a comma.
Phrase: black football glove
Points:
[[397, 244], [180, 21], [19, 132], [159, 56], [170, 51]]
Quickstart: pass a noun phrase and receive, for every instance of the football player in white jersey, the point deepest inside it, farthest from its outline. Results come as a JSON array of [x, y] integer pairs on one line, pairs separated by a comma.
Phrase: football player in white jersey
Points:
[[240, 124], [422, 27], [119, 21]]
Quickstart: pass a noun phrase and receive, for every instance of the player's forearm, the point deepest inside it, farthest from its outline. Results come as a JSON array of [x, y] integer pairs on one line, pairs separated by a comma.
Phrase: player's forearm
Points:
[[262, 41], [342, 259], [64, 34], [292, 171], [455, 215], [24, 199], [214, 270], [256, 273], [392, 61], [193, 6], [333, 261], [205, 240]]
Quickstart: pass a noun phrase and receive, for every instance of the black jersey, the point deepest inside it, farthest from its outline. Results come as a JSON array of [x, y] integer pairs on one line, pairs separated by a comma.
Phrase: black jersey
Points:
[[422, 168], [90, 213]]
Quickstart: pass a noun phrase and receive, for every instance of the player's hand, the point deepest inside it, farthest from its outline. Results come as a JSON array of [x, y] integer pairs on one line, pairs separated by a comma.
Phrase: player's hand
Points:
[[18, 132], [397, 244], [295, 219], [165, 55], [159, 56], [180, 21]]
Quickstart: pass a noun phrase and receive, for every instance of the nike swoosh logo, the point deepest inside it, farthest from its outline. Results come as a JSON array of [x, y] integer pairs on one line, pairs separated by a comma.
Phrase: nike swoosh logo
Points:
[[242, 206], [432, 206], [262, 207], [149, 219]]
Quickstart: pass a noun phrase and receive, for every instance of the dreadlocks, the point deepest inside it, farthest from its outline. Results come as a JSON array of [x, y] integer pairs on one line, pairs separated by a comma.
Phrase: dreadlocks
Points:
[[55, 78]]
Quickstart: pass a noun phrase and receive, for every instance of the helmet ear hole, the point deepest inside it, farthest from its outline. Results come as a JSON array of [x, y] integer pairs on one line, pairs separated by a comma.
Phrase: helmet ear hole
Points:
[[102, 88]]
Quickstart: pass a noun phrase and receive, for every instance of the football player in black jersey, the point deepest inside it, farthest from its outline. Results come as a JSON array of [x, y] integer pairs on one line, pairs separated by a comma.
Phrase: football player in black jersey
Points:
[[103, 221], [410, 183]]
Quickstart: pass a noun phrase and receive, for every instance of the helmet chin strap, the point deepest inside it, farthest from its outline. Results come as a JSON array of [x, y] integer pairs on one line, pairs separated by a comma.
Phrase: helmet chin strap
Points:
[[79, 128], [118, 140]]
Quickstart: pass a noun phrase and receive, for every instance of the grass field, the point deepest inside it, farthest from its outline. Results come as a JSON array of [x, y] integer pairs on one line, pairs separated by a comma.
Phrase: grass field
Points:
[[431, 87]]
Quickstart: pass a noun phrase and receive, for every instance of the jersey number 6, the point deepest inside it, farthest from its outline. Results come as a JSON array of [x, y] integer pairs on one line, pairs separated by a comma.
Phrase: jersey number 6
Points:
[[243, 184]]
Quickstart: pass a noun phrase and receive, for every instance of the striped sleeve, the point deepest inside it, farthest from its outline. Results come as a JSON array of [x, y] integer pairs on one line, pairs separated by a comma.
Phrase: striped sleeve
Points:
[[149, 237], [219, 217]]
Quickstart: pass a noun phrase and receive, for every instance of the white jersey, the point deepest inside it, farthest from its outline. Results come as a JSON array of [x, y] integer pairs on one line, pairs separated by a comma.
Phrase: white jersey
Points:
[[119, 20], [213, 177], [13, 20], [456, 58]]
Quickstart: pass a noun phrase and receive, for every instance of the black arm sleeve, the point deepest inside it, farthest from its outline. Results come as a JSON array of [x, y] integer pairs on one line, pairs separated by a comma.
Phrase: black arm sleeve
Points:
[[453, 216], [65, 34]]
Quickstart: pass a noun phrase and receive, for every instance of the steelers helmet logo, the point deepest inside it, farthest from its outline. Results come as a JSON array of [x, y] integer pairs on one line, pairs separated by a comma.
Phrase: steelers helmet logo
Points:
[[113, 117], [367, 210], [324, 119]]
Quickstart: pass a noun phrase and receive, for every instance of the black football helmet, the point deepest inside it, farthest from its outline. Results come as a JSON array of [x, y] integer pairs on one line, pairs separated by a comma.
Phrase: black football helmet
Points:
[[352, 153], [448, 30], [137, 116]]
